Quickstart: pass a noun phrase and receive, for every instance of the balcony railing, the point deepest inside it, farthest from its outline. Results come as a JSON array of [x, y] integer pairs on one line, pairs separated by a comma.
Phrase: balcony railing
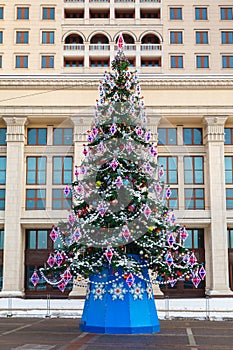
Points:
[[124, 1], [99, 47], [129, 47], [159, 1], [73, 47], [74, 0], [99, 0], [151, 47]]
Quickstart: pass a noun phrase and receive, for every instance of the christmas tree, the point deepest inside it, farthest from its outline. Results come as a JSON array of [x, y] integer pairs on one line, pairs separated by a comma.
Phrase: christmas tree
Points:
[[120, 220]]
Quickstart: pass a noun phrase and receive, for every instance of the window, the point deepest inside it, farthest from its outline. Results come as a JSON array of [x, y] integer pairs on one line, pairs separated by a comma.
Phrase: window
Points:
[[37, 136], [194, 198], [170, 169], [176, 37], [172, 202], [175, 13], [36, 239], [47, 62], [228, 170], [73, 62], [202, 61], [202, 38], [0, 61], [48, 13], [1, 37], [201, 13], [36, 170], [226, 13], [48, 37], [176, 61], [2, 136], [1, 257], [230, 238], [151, 62], [35, 199], [167, 136], [228, 136], [193, 170], [227, 61], [21, 62], [1, 12], [195, 239], [99, 63], [22, 37], [62, 170], [22, 12], [229, 198], [2, 199], [192, 136], [60, 202], [63, 136], [2, 170], [227, 37]]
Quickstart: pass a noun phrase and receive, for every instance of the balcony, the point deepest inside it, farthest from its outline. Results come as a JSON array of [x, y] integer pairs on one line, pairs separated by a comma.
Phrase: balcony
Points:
[[99, 47], [73, 49], [151, 47], [129, 47]]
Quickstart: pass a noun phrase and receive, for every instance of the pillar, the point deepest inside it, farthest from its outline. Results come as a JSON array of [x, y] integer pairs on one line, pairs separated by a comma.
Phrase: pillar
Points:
[[13, 264], [216, 239]]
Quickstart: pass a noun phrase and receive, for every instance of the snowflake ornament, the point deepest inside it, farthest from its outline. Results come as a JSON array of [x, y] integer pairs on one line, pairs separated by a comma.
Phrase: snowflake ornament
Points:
[[117, 291], [98, 291], [137, 291], [149, 290]]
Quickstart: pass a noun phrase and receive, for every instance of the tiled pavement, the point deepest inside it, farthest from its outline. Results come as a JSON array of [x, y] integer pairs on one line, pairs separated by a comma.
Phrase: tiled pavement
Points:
[[64, 334]]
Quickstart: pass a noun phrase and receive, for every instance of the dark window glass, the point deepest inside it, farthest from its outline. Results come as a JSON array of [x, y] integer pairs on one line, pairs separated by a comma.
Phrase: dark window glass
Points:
[[230, 238], [175, 13], [1, 12], [201, 13], [227, 61], [48, 13], [226, 13], [176, 61], [22, 12], [202, 38], [37, 136], [2, 136], [228, 136], [2, 170], [1, 239], [2, 199], [21, 62], [202, 61], [22, 37]]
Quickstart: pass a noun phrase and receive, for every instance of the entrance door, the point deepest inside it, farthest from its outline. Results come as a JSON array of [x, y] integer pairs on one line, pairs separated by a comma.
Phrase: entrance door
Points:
[[38, 247], [186, 289]]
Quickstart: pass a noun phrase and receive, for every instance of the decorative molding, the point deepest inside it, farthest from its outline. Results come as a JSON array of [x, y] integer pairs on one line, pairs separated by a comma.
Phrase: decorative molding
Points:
[[15, 128], [89, 81], [214, 128]]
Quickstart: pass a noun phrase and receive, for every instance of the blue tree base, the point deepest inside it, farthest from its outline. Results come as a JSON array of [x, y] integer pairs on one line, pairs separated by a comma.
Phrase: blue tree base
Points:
[[116, 308]]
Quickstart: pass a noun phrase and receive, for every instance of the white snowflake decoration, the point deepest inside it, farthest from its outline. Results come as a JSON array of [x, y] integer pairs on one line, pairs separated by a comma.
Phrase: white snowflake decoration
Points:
[[137, 291], [117, 291], [98, 291], [149, 291], [88, 291]]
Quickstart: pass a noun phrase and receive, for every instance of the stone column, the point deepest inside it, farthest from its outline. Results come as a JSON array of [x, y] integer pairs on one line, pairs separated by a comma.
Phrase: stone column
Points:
[[81, 125], [216, 248], [13, 264]]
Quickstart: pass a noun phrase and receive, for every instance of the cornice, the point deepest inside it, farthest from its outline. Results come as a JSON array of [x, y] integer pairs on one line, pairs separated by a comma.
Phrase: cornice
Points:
[[90, 81]]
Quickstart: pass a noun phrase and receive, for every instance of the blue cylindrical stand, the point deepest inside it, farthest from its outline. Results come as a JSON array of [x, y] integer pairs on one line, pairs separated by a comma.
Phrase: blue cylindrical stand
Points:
[[113, 307]]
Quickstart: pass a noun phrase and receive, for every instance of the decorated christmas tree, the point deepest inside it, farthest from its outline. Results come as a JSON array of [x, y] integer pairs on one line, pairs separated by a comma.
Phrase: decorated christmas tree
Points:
[[119, 226]]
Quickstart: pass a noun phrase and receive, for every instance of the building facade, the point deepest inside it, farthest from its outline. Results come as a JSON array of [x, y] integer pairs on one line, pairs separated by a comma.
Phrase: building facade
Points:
[[52, 56]]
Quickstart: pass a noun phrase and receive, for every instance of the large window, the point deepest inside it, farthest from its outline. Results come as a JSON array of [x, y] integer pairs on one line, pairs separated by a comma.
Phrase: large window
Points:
[[35, 199], [175, 13], [60, 202], [62, 170], [1, 37], [22, 12], [229, 198], [228, 136], [2, 182], [2, 136], [170, 169], [227, 61], [36, 170], [48, 13], [226, 13], [177, 61], [201, 13], [192, 136], [193, 170], [176, 37], [22, 37], [194, 198], [2, 198], [37, 136], [63, 136], [167, 136], [202, 37], [1, 12]]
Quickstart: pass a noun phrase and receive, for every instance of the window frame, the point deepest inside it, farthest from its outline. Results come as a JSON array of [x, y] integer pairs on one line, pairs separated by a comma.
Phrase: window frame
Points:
[[202, 61], [177, 61], [226, 10], [63, 137], [21, 61], [2, 134], [62, 170], [37, 171], [50, 16], [227, 61], [47, 61], [194, 198], [230, 136], [192, 160], [36, 199], [201, 13], [48, 37], [202, 37], [167, 162], [167, 136], [176, 13], [22, 37], [65, 202], [22, 13], [176, 37], [193, 138], [229, 199], [37, 139]]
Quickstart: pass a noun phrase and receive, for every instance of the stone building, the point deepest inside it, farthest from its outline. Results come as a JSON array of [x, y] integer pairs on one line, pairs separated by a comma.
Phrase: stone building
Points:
[[52, 55]]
